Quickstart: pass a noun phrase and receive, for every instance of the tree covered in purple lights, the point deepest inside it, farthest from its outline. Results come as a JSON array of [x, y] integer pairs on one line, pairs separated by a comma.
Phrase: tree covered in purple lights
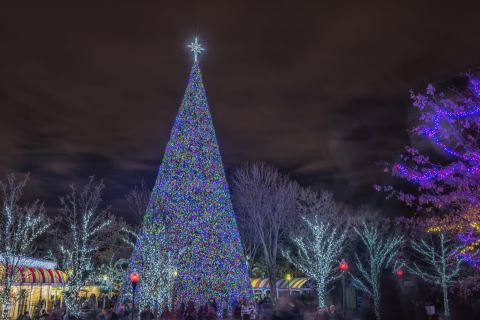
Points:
[[446, 179]]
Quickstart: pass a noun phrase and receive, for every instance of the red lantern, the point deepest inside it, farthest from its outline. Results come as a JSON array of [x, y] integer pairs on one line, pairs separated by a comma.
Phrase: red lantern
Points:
[[134, 277], [343, 266], [400, 273]]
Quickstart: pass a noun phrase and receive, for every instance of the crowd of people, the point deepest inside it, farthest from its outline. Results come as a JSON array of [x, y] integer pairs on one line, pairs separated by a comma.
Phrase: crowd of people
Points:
[[243, 309], [328, 313]]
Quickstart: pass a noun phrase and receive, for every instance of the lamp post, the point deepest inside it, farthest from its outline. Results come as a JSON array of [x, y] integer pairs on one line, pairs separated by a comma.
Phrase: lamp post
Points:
[[400, 274], [134, 277], [288, 278], [343, 266]]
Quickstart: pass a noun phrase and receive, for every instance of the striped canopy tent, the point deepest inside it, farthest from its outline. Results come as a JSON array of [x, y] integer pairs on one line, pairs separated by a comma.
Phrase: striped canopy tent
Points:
[[27, 275], [38, 275], [296, 284], [260, 284]]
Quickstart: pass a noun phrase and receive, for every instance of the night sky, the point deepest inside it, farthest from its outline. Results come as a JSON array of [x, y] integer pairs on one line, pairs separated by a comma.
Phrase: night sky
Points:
[[320, 89]]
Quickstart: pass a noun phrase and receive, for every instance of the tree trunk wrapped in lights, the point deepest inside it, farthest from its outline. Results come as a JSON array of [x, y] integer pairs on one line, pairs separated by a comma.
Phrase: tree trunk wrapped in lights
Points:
[[20, 227], [85, 222], [380, 249], [435, 259], [155, 260], [318, 252]]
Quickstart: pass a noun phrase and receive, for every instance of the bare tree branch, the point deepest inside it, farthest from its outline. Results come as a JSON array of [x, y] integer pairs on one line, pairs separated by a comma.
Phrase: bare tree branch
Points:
[[265, 203]]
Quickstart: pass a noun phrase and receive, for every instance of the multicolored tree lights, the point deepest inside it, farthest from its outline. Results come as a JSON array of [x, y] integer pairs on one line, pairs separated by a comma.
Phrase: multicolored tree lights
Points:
[[449, 184], [191, 192], [466, 229]]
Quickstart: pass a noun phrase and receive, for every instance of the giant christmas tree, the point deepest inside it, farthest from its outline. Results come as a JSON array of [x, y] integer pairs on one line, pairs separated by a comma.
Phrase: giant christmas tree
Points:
[[191, 194]]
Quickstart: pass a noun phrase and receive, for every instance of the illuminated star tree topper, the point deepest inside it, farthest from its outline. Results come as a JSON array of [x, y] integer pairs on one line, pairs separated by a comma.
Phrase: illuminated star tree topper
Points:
[[196, 48]]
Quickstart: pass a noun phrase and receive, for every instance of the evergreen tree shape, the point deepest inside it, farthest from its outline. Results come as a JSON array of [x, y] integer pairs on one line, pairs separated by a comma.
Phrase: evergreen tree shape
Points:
[[191, 193]]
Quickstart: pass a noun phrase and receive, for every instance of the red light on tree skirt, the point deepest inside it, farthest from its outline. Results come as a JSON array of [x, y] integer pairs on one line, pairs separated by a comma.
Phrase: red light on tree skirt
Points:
[[343, 266], [400, 273], [134, 277]]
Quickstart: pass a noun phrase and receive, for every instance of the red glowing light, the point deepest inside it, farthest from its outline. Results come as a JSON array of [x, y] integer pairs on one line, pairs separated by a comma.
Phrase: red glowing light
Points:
[[134, 277], [343, 266], [400, 273]]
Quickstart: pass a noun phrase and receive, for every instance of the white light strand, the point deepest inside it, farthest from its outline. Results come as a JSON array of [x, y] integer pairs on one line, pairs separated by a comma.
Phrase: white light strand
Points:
[[440, 263], [380, 251], [21, 227], [154, 260], [32, 262], [85, 221], [318, 253]]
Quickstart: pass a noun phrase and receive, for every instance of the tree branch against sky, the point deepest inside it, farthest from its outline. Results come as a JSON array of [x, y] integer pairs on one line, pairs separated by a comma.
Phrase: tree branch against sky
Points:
[[380, 247], [435, 257], [320, 241], [85, 222], [266, 199], [137, 200], [317, 252], [446, 177], [20, 227]]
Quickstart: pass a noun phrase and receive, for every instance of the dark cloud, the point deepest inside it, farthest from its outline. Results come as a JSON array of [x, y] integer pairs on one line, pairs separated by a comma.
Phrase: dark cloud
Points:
[[318, 88]]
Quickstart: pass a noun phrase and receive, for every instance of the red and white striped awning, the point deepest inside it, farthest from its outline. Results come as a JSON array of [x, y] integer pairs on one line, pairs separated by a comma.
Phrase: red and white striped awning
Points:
[[27, 275]]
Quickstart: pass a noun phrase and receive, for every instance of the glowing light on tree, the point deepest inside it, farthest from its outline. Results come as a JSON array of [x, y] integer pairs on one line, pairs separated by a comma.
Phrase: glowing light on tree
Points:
[[317, 253], [466, 228], [111, 276], [436, 261], [154, 261], [20, 227], [381, 248], [449, 185], [85, 222], [192, 192]]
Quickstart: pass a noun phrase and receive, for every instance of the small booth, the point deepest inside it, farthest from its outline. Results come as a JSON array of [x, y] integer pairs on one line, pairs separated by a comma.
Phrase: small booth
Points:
[[293, 287], [39, 286]]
